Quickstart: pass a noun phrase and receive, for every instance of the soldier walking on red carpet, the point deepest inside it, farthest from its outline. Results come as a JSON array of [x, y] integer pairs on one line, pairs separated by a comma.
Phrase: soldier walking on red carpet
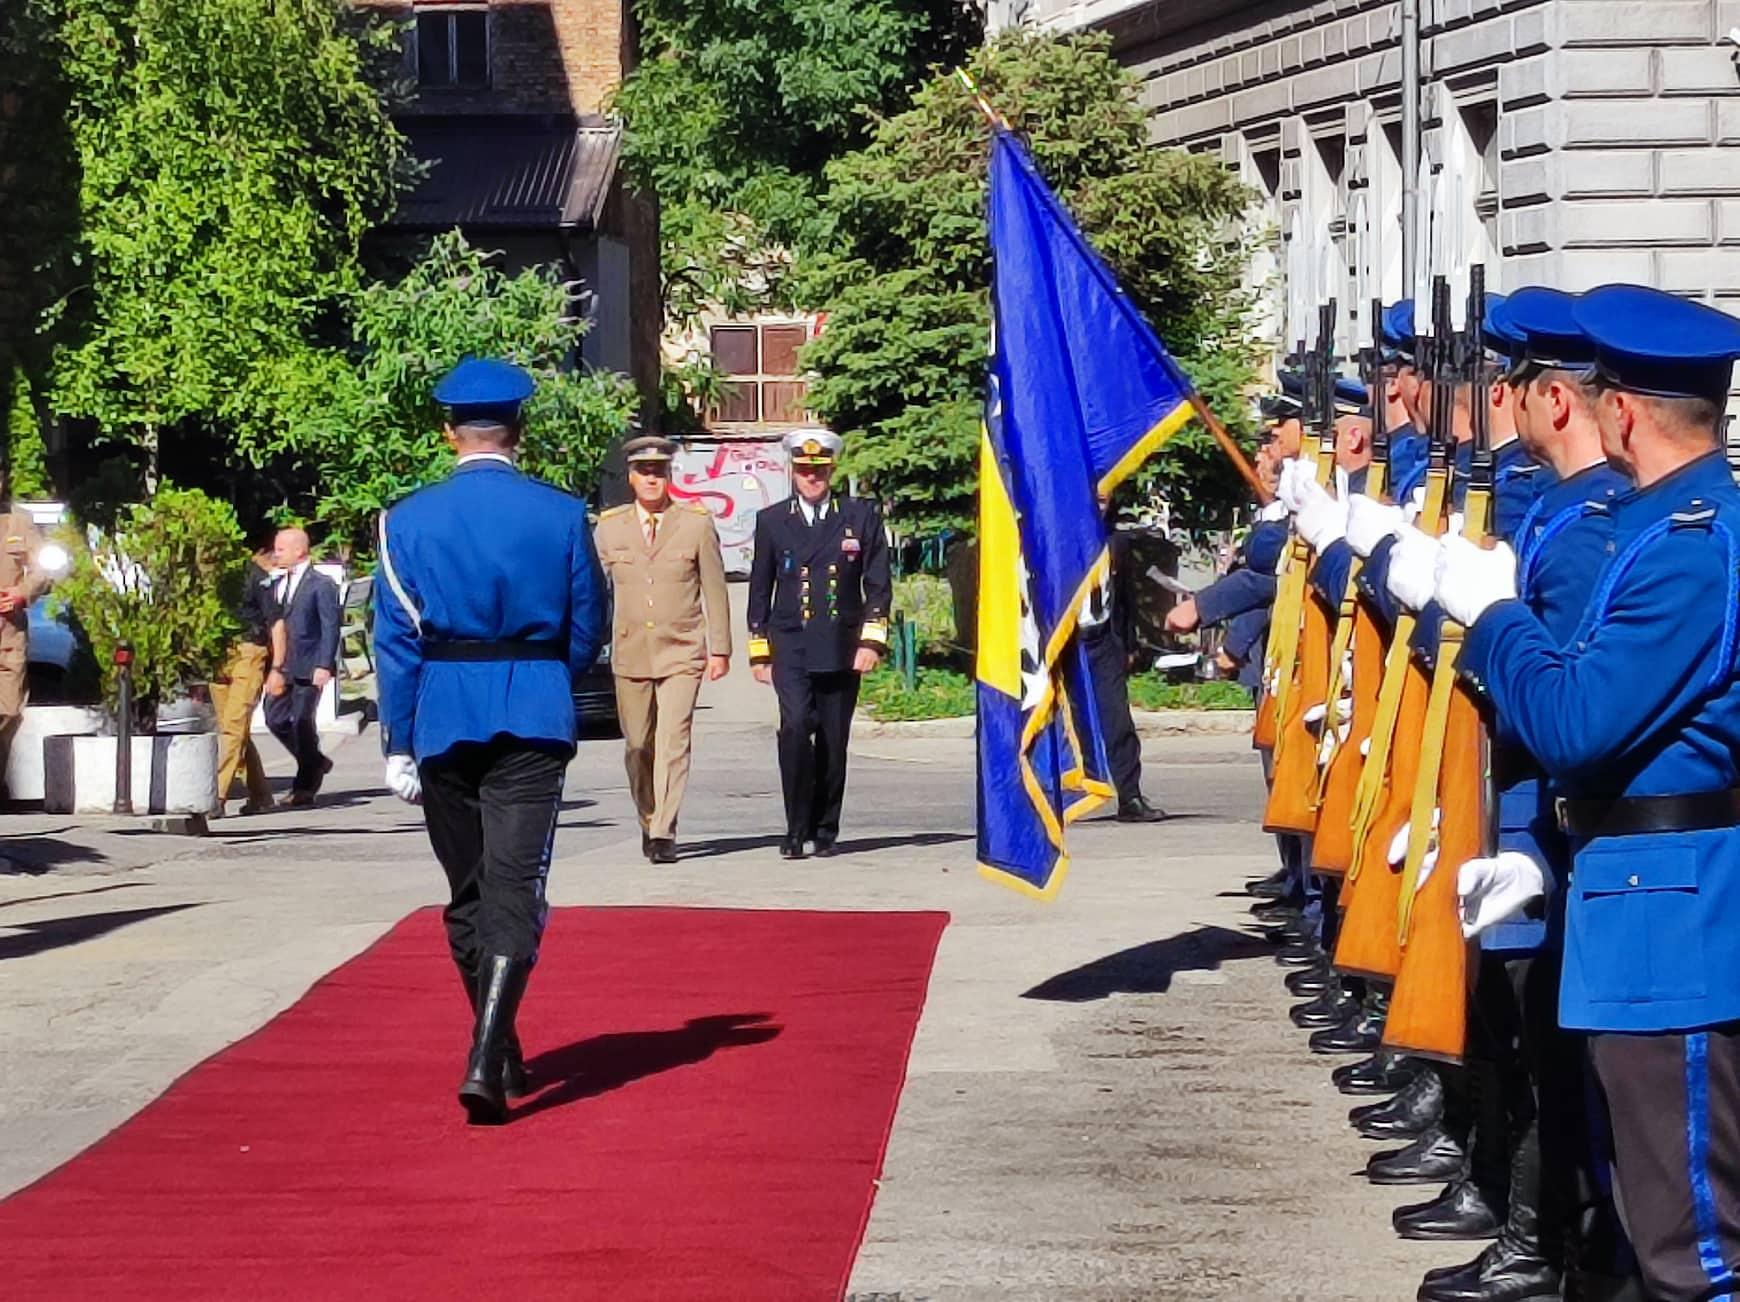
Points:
[[492, 602]]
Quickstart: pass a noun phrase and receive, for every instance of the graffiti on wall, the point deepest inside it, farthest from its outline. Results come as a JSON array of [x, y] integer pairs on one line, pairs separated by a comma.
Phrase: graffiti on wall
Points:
[[734, 481]]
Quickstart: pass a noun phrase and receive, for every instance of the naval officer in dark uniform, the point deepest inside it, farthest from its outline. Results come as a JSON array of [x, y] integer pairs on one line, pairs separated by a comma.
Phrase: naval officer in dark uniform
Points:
[[491, 602], [819, 593]]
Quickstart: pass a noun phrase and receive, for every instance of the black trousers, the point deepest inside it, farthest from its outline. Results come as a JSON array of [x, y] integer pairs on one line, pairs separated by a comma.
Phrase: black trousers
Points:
[[1674, 1105], [1109, 665], [491, 812], [815, 723], [291, 719]]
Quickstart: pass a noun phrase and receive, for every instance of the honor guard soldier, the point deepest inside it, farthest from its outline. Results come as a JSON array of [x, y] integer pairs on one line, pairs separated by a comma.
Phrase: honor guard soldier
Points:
[[819, 593], [672, 623], [492, 602], [1636, 725]]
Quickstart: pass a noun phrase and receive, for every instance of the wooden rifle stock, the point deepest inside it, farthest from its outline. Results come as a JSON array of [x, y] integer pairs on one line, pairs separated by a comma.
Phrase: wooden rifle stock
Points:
[[1280, 653], [1332, 846], [1290, 807]]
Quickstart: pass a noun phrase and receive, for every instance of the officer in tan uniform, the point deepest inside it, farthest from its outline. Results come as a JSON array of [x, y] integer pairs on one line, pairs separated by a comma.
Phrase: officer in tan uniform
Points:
[[22, 580], [672, 623]]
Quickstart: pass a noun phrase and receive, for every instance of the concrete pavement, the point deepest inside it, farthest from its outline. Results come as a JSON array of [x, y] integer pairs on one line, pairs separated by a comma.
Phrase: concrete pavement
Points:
[[1105, 1099]]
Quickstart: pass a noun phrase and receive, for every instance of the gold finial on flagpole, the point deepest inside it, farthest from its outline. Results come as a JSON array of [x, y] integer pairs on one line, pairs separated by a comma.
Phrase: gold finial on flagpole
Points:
[[995, 118]]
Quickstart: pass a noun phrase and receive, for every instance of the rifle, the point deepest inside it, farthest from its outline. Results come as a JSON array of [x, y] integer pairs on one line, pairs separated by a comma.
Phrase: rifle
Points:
[[1356, 633], [1369, 944], [1282, 643], [1292, 779], [1429, 1013]]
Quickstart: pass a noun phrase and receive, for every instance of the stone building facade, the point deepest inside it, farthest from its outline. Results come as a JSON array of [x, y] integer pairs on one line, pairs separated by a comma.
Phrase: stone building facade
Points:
[[1568, 142]]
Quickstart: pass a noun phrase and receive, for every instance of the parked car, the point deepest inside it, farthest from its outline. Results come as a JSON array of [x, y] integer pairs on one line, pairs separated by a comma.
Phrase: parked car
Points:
[[55, 646]]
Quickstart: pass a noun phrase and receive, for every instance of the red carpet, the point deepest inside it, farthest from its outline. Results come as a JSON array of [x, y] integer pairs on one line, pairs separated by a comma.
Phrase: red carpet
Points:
[[715, 1092]]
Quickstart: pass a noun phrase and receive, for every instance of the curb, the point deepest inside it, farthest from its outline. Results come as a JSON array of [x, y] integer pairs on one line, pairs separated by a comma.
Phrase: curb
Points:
[[1149, 723]]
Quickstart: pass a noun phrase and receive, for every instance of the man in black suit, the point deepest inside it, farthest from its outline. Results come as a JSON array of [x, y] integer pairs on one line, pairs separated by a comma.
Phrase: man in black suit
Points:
[[819, 594], [307, 603]]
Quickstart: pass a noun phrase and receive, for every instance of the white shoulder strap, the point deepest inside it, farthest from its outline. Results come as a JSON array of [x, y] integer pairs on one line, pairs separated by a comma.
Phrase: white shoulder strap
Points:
[[392, 576]]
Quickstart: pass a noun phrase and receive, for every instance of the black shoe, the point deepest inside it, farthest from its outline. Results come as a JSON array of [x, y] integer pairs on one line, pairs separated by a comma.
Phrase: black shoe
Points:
[[1272, 887], [1415, 1109], [1433, 1158], [1330, 1008], [1361, 1033], [1138, 810], [1299, 953], [1307, 982], [826, 847], [1460, 1212], [791, 848], [500, 984], [1382, 1073], [1502, 1273], [645, 845], [662, 850], [1274, 913]]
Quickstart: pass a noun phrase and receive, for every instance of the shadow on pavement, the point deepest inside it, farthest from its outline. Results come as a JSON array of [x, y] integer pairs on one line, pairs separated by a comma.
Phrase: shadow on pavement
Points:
[[606, 1062], [726, 845], [58, 933], [865, 844], [38, 854], [1148, 969], [62, 895]]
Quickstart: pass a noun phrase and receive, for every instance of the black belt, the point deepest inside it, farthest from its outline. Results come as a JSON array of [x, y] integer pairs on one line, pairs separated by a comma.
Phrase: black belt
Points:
[[1631, 815], [465, 651]]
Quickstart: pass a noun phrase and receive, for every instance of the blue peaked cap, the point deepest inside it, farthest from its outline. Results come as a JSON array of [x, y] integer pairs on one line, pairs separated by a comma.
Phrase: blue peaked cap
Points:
[[1396, 331], [1350, 395], [481, 386], [1495, 334], [1544, 322], [1658, 344]]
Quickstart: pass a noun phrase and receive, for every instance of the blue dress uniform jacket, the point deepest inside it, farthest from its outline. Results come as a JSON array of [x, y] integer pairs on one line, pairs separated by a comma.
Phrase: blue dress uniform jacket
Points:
[[1561, 547], [818, 592], [441, 550], [1644, 702]]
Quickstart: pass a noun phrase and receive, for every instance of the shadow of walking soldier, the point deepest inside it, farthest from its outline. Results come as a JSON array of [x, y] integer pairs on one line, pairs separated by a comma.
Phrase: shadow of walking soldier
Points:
[[602, 1063]]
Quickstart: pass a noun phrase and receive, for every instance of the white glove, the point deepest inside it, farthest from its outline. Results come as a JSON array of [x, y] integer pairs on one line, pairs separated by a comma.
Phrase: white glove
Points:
[[1369, 522], [403, 780], [1472, 578], [1399, 850], [1413, 574], [1491, 890], [1275, 510], [1294, 471], [1415, 504], [1319, 518]]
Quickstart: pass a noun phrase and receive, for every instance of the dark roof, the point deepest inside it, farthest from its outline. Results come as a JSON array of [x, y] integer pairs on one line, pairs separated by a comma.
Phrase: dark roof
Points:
[[509, 173]]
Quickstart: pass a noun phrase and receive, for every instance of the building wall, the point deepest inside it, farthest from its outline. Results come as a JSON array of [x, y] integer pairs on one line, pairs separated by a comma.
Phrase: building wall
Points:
[[546, 56], [1571, 142]]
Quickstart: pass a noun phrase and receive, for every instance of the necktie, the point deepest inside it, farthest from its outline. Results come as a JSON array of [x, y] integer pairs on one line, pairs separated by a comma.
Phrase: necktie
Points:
[[652, 529]]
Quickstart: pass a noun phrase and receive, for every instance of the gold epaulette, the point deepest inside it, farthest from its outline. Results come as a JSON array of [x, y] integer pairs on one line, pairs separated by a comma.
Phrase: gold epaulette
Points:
[[699, 508], [617, 510]]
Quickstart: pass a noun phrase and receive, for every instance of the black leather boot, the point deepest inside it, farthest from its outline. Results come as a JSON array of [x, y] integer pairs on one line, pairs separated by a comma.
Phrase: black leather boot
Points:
[[1382, 1073], [1331, 1008], [1299, 953], [1518, 1267], [1434, 1158], [1307, 982], [1361, 1033], [514, 1081], [1273, 887], [1462, 1211], [501, 981], [1411, 1112], [1273, 913]]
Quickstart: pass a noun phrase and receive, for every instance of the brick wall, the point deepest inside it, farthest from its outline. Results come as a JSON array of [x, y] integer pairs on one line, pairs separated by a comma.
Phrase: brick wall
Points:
[[546, 56]]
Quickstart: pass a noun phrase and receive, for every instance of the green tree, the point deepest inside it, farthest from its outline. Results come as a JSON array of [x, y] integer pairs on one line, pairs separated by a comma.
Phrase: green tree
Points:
[[736, 107], [164, 579], [370, 422], [904, 272], [232, 154]]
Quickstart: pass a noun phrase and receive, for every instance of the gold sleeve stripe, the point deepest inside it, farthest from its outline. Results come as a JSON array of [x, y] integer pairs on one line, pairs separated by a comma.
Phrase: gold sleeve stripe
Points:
[[875, 630], [760, 649]]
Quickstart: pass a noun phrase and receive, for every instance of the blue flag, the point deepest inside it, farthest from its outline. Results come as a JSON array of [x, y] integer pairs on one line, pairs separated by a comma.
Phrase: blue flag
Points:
[[1080, 392]]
